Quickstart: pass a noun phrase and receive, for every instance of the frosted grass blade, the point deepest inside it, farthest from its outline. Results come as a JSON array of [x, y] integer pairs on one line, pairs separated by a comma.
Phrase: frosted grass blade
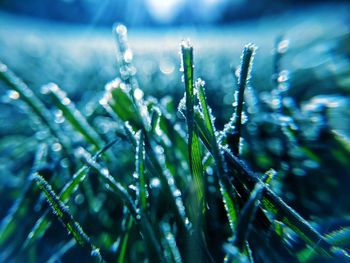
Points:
[[233, 136], [140, 171], [193, 140], [62, 212], [206, 120], [247, 216], [43, 223]]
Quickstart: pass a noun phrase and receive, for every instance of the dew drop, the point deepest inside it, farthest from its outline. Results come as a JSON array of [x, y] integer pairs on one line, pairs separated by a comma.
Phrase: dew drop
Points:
[[133, 187], [64, 163], [128, 55], [79, 199], [56, 147], [155, 182], [59, 118], [14, 95], [283, 46], [3, 68], [66, 101], [176, 193], [138, 94], [121, 29]]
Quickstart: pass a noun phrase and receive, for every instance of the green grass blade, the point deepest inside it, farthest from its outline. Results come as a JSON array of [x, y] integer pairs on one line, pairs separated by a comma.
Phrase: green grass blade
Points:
[[140, 171], [43, 223], [62, 212], [193, 140], [155, 164], [205, 125], [233, 129], [118, 98], [247, 216], [123, 246]]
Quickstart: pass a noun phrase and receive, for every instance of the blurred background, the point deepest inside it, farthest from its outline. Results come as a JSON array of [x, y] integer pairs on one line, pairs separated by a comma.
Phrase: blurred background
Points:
[[70, 42]]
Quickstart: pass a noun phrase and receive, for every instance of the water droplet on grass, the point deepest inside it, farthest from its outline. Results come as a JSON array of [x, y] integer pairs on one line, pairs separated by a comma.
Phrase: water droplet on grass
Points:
[[56, 147], [138, 94], [128, 55], [155, 182], [283, 46], [79, 199], [66, 101], [14, 95], [3, 68], [121, 29]]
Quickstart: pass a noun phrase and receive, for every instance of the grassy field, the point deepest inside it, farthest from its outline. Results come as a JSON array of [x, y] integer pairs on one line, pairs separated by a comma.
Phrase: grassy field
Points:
[[110, 153]]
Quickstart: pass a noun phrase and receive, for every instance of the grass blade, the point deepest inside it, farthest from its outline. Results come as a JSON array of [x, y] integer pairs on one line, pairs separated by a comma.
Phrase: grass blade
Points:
[[205, 123], [43, 223], [140, 171], [247, 216], [123, 246], [63, 214], [233, 129], [193, 140]]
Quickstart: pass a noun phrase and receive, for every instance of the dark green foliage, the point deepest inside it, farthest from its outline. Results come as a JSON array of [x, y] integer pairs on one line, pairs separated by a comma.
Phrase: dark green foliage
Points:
[[169, 190]]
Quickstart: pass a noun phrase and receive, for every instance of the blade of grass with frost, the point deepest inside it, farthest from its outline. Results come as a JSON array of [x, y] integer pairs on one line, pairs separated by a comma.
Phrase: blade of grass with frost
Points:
[[150, 238], [277, 206], [271, 201], [152, 161], [73, 116], [157, 168], [62, 212], [193, 141], [33, 102], [125, 56], [226, 189], [118, 98], [44, 222], [247, 216], [20, 208], [140, 171], [233, 137]]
